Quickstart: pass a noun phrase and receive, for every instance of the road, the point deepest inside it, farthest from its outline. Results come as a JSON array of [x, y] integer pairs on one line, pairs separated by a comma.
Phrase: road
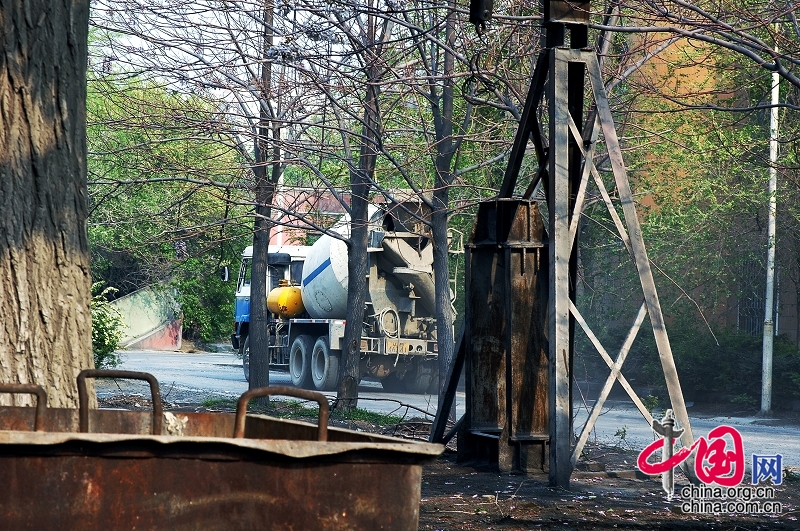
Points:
[[195, 377], [192, 378]]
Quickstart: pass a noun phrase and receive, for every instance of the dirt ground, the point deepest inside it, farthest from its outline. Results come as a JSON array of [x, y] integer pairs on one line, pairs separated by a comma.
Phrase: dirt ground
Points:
[[607, 493], [463, 497]]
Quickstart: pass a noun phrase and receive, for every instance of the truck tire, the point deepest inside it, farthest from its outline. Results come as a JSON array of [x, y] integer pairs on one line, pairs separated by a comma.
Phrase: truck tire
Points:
[[422, 377], [324, 366], [245, 352], [393, 384], [433, 387], [300, 361]]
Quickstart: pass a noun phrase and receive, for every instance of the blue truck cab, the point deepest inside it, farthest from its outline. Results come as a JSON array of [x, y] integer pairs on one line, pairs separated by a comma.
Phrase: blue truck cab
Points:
[[285, 262]]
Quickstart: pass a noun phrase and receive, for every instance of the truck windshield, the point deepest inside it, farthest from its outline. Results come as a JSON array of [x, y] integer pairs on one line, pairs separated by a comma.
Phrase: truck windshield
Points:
[[296, 272], [244, 273], [276, 274]]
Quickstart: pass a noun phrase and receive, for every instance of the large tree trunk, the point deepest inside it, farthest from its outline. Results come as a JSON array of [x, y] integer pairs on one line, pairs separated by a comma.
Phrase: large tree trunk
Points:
[[259, 315], [45, 337], [356, 294], [441, 276]]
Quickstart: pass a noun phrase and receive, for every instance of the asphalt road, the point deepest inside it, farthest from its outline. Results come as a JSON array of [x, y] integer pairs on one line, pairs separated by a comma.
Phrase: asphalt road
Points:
[[192, 378]]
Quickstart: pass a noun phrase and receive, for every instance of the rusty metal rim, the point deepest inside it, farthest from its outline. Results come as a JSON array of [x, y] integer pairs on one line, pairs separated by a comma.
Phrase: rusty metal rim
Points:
[[319, 398], [288, 448], [83, 397]]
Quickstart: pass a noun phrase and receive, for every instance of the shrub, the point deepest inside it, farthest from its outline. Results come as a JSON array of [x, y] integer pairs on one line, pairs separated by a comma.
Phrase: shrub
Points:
[[730, 370], [205, 301], [107, 328]]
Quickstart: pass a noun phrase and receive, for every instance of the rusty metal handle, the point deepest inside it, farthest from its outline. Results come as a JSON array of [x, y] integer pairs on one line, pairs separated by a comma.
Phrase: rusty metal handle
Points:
[[83, 397], [319, 398], [29, 389]]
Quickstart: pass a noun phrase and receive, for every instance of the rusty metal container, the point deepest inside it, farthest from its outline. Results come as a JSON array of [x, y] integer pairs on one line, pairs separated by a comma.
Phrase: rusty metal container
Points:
[[201, 471]]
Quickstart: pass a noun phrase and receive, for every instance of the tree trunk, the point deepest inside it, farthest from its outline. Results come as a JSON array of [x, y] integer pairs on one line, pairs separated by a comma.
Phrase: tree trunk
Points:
[[44, 251], [259, 315], [441, 277], [357, 267], [356, 298], [264, 195], [445, 149]]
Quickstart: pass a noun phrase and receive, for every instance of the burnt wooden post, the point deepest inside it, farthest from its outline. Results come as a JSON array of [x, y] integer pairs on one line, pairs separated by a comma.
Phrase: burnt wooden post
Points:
[[506, 364], [492, 366]]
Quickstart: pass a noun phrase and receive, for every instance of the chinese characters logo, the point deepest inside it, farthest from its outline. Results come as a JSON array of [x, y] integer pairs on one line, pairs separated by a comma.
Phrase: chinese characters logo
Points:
[[714, 462]]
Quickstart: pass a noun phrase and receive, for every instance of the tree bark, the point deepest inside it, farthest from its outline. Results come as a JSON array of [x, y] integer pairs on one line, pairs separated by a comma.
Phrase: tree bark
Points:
[[357, 267], [356, 294], [264, 195], [259, 315], [45, 337], [442, 109]]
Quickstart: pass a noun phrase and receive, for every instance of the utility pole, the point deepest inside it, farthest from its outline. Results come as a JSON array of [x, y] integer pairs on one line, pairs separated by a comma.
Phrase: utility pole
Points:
[[769, 328]]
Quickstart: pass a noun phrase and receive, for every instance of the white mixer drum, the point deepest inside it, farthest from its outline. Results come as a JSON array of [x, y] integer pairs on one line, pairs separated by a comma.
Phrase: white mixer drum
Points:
[[324, 283]]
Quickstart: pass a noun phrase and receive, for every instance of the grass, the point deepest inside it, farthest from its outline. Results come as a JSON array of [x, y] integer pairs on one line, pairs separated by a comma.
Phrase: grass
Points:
[[222, 403], [372, 417], [295, 409]]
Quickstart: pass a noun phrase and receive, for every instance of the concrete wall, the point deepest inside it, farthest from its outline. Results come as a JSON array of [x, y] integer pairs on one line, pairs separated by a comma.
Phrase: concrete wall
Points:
[[150, 316]]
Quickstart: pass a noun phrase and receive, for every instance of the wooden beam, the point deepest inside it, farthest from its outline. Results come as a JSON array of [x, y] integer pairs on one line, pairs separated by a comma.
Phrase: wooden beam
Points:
[[560, 250], [527, 124], [638, 249], [443, 413], [612, 377]]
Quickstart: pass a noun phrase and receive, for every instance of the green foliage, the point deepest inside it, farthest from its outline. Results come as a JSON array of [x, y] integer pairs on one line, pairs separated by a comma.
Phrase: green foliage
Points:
[[746, 400], [726, 372], [227, 403], [166, 207], [621, 435], [107, 328], [205, 300], [651, 402], [364, 415]]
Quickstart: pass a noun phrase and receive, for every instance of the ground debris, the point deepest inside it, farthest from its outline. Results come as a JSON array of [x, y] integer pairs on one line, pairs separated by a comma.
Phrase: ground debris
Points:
[[456, 497], [416, 429], [129, 401]]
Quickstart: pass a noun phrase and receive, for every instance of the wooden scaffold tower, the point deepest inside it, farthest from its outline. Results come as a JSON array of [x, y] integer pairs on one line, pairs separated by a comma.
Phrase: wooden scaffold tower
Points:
[[519, 341]]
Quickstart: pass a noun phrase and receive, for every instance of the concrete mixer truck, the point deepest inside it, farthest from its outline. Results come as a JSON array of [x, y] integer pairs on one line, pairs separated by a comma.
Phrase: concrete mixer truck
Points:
[[308, 303]]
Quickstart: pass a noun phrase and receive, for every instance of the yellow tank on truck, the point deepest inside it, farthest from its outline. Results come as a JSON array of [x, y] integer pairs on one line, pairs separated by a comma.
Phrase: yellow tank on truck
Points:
[[285, 301]]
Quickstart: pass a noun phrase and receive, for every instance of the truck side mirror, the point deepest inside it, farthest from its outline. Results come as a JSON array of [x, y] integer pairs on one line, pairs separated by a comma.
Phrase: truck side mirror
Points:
[[224, 273]]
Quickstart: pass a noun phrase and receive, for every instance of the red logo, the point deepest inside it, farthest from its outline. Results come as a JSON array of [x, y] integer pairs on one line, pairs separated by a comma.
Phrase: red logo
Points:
[[714, 463]]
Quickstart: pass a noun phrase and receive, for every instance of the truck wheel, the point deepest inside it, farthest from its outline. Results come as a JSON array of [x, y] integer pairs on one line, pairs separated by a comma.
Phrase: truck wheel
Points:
[[324, 366], [421, 377], [393, 384], [433, 387], [300, 361], [245, 352]]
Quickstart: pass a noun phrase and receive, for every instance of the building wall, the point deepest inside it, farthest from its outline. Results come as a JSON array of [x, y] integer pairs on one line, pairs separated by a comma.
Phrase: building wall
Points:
[[150, 318]]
